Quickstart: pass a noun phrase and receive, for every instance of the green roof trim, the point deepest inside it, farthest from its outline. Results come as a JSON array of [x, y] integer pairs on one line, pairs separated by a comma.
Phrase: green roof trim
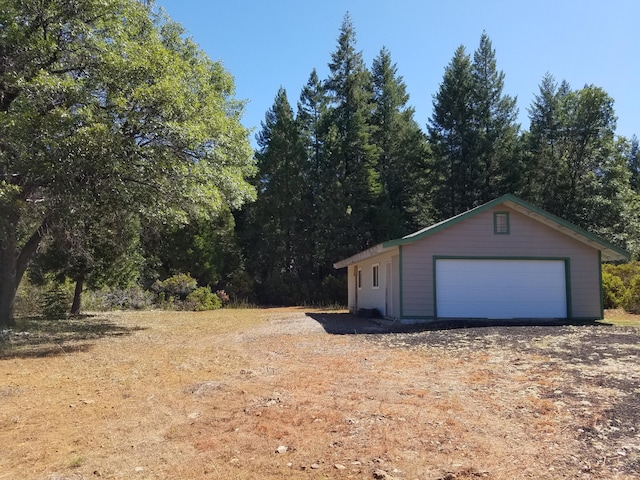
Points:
[[609, 252], [618, 253]]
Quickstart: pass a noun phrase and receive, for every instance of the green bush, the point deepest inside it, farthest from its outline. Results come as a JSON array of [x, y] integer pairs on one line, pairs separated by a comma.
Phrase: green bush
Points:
[[626, 271], [631, 300], [613, 290], [203, 299], [56, 302], [29, 299], [178, 286]]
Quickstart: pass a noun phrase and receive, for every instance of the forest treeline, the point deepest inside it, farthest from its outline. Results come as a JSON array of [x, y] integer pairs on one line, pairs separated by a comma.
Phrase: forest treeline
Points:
[[348, 166], [132, 173]]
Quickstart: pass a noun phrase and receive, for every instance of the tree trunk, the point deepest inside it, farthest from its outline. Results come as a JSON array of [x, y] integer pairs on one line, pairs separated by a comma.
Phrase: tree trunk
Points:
[[13, 264], [77, 296], [8, 286]]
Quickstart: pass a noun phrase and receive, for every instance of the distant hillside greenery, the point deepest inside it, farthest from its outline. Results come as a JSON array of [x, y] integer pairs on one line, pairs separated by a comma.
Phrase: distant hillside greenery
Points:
[[341, 165]]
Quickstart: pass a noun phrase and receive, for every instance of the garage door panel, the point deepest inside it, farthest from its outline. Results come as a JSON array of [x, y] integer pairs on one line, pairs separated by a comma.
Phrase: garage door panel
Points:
[[501, 288]]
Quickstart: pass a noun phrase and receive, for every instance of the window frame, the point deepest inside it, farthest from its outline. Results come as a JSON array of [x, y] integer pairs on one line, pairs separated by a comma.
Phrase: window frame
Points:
[[375, 276], [359, 278], [501, 229]]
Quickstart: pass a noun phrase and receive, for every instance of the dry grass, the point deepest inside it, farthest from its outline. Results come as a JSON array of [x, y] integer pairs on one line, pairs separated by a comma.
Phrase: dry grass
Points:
[[157, 395], [621, 318]]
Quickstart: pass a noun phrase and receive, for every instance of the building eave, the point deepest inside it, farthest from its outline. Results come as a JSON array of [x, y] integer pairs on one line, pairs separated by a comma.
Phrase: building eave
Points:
[[609, 252]]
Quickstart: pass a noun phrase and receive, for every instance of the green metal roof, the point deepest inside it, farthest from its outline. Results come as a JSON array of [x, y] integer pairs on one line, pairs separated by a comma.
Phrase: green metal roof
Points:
[[609, 251]]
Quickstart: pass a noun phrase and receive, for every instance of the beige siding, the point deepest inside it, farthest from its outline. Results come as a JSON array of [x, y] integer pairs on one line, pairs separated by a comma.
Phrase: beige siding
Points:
[[368, 296], [474, 237], [395, 269]]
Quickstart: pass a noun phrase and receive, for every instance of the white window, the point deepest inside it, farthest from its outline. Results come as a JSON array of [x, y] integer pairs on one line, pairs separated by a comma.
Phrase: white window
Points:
[[359, 279], [501, 223], [375, 275]]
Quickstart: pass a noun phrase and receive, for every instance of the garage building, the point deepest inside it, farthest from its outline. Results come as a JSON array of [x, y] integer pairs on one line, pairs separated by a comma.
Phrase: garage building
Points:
[[506, 259]]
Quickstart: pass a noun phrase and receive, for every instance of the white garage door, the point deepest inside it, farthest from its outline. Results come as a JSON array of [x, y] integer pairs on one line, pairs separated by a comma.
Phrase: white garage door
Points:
[[501, 288]]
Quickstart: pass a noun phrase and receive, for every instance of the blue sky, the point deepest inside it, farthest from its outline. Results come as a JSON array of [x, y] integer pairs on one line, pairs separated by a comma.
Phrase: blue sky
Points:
[[266, 44]]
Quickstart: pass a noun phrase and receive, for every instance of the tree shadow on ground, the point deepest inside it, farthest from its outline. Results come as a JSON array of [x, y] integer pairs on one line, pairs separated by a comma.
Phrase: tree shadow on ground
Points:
[[34, 337], [348, 324]]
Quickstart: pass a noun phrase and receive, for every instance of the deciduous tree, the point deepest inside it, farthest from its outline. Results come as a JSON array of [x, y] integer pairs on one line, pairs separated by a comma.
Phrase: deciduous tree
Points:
[[102, 100]]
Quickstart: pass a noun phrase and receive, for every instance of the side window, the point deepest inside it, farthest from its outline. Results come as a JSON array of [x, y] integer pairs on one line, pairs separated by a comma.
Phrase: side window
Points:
[[376, 279], [501, 223], [359, 279]]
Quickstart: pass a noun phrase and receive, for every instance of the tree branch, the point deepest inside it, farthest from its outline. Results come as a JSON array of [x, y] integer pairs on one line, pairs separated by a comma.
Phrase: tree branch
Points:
[[28, 251]]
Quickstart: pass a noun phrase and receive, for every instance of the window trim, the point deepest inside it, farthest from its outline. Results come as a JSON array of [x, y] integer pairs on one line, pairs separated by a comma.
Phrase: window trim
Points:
[[496, 229], [375, 276]]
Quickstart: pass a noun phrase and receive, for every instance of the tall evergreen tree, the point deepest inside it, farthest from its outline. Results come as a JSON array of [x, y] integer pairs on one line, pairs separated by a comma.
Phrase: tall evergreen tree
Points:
[[496, 130], [401, 152], [473, 133], [451, 136], [276, 221], [312, 122], [575, 167], [351, 156], [543, 145]]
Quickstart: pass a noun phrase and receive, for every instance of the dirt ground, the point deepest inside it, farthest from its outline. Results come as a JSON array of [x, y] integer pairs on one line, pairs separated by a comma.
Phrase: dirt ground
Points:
[[295, 393]]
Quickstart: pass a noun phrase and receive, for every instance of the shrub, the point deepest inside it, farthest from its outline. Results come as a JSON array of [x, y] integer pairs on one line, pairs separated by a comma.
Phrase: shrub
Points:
[[222, 295], [334, 289], [178, 286], [134, 297], [56, 302], [626, 271], [29, 299], [203, 299], [631, 299], [613, 290]]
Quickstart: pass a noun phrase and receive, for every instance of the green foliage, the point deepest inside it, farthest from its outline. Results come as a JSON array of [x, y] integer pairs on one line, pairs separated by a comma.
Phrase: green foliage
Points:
[[402, 154], [203, 298], [207, 248], [473, 134], [177, 286], [106, 106], [631, 299], [576, 168], [613, 290], [334, 289], [621, 286], [56, 301]]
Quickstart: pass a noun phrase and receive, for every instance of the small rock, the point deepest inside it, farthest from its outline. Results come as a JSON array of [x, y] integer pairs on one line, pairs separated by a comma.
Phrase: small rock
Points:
[[339, 466], [449, 476], [314, 466], [139, 469], [381, 475], [282, 449]]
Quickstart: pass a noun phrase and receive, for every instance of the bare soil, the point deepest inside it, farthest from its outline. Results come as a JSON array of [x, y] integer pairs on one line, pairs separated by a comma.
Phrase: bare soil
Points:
[[297, 393]]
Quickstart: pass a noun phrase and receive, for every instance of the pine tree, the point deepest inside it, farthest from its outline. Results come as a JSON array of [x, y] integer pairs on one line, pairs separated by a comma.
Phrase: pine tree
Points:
[[473, 134], [350, 154], [276, 221], [401, 152], [312, 122], [575, 167], [495, 126], [451, 136]]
